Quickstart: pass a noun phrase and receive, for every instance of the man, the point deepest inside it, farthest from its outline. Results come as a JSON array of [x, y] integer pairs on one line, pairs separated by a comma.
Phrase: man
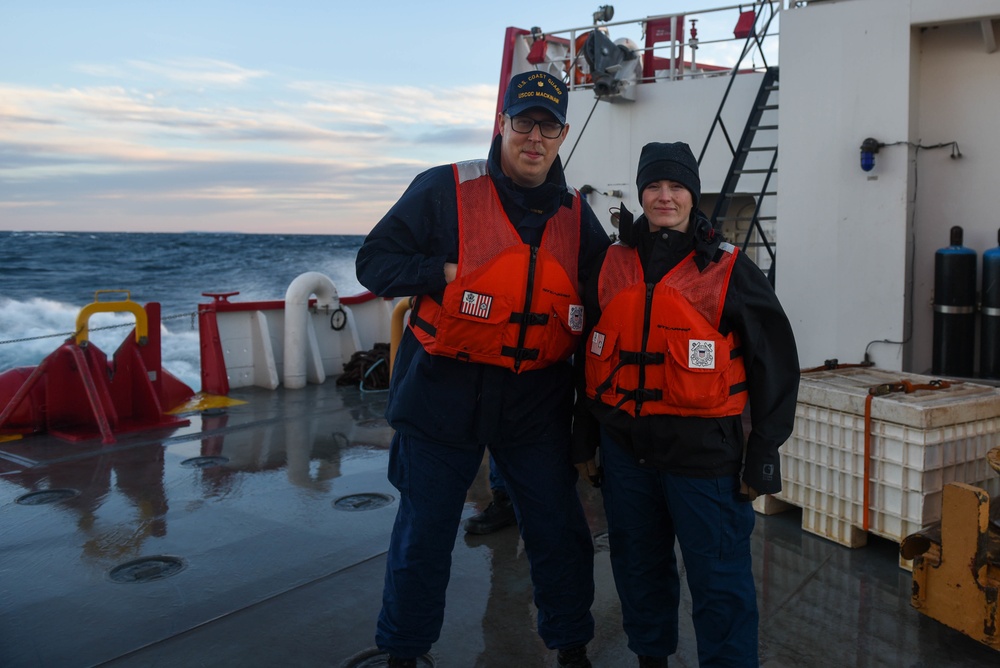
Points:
[[484, 363]]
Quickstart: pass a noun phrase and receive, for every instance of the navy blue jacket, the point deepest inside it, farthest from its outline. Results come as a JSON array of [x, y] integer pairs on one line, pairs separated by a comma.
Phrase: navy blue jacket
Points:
[[442, 399], [709, 447]]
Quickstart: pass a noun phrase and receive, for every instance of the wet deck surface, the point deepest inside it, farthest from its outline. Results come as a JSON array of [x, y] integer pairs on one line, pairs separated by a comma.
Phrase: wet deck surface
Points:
[[277, 568]]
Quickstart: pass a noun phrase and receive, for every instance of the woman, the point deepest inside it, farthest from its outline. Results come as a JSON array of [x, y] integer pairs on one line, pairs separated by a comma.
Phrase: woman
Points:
[[688, 333]]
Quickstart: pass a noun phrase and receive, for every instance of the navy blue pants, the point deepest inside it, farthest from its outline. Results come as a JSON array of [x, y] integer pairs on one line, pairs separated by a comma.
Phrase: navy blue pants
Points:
[[646, 510], [496, 480], [433, 480]]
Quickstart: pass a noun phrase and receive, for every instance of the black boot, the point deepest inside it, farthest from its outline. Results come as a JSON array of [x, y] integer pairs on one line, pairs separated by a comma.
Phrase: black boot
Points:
[[574, 657], [652, 661], [499, 514]]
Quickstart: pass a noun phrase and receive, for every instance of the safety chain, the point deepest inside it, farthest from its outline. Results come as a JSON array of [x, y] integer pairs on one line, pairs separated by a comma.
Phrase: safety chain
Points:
[[97, 329]]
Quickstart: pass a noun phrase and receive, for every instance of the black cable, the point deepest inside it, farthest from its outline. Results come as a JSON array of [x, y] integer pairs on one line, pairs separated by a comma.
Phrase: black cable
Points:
[[955, 154], [580, 135]]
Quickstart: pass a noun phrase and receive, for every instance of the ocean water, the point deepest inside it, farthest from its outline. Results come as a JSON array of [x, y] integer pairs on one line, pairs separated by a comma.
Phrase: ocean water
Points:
[[47, 277]]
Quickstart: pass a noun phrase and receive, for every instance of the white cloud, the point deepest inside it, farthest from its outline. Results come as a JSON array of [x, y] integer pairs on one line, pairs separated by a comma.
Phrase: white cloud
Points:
[[134, 155], [406, 105], [200, 71], [188, 71]]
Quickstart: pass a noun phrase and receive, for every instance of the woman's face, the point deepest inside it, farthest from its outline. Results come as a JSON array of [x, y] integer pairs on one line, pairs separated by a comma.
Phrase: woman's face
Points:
[[667, 205]]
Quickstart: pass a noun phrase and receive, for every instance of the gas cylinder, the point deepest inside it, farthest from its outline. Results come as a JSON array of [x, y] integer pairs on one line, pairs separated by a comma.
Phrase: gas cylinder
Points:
[[954, 308], [989, 327]]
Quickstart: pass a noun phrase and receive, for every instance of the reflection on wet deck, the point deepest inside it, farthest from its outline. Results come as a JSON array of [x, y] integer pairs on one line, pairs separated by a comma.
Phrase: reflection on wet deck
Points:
[[273, 571]]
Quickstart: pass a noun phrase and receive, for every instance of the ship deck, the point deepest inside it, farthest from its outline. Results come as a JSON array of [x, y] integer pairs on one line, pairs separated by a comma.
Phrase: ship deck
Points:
[[268, 524]]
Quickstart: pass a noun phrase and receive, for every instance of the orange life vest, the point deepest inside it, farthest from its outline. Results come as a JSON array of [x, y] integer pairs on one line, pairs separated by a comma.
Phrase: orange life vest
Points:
[[511, 304], [657, 349]]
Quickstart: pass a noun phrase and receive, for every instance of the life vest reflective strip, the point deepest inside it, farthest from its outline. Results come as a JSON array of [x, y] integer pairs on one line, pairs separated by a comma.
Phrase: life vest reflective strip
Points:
[[511, 304], [656, 349]]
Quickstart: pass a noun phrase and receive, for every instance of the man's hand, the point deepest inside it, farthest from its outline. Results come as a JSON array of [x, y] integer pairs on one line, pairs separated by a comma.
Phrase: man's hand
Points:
[[450, 271], [745, 490], [589, 471]]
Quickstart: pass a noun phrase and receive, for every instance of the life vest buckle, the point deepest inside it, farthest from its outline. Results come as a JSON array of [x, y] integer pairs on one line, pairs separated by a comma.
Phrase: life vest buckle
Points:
[[529, 318]]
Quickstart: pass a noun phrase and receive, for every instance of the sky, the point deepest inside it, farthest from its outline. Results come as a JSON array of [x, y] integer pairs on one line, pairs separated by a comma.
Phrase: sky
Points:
[[261, 117]]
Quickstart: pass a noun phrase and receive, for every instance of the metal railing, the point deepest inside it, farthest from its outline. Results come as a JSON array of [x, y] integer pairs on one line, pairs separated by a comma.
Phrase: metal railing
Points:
[[716, 56]]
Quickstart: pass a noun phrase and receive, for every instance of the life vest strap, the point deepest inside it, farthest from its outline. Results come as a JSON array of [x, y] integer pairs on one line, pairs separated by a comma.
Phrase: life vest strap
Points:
[[641, 394], [735, 352], [639, 357], [628, 357], [606, 385], [647, 394], [519, 353], [529, 318], [417, 321]]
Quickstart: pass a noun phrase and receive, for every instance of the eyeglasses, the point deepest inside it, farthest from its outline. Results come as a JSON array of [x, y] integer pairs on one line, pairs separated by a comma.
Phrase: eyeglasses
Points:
[[524, 125]]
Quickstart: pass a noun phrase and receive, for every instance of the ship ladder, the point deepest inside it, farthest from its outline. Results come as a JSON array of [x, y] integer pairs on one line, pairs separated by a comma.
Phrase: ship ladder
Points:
[[747, 203]]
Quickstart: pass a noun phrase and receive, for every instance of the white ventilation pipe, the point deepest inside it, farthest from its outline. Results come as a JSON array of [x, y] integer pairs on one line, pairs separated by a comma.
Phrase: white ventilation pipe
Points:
[[297, 322]]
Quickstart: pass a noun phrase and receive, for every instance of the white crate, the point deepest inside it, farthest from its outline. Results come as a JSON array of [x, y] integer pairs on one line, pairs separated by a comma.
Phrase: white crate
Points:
[[920, 442]]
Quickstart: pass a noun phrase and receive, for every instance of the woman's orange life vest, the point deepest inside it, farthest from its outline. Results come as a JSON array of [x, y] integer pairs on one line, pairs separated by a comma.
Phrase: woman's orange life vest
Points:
[[511, 304], [657, 349]]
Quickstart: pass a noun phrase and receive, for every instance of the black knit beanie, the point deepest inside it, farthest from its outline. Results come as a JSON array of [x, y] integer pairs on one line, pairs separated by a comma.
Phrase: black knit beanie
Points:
[[672, 162]]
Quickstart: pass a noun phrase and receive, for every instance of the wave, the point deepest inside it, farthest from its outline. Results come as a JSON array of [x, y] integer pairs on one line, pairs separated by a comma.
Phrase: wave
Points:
[[38, 234], [32, 329], [50, 276]]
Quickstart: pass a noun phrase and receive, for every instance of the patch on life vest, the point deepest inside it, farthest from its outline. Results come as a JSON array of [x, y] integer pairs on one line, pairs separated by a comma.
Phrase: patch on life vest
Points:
[[597, 343], [576, 318], [475, 304], [701, 354]]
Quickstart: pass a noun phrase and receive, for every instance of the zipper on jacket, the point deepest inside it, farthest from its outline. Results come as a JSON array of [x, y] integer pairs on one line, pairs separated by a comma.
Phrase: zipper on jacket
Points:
[[522, 332], [646, 316]]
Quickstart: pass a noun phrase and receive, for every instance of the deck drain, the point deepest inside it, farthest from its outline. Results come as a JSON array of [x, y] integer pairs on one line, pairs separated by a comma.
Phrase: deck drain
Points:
[[376, 658], [373, 423], [146, 569], [204, 462], [367, 501], [46, 496]]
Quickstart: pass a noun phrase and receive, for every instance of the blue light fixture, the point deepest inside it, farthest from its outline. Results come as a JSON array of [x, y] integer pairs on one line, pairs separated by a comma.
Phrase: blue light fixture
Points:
[[869, 148]]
